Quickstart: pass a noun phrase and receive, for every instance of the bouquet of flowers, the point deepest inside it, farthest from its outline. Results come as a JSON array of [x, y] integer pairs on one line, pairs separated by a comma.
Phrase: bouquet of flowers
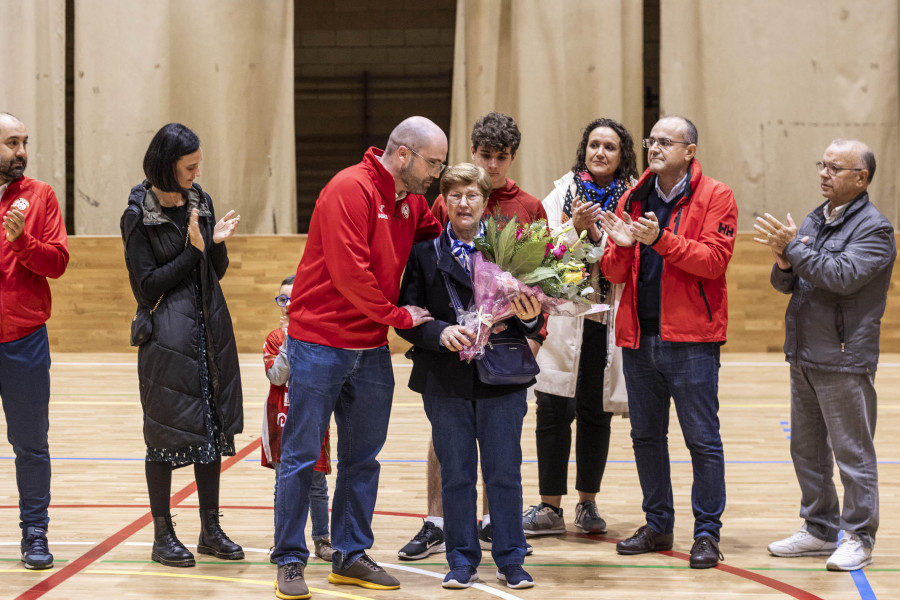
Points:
[[516, 258]]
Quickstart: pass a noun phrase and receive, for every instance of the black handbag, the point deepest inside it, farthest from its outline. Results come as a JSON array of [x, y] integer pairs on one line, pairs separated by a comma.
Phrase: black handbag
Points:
[[142, 323], [507, 358]]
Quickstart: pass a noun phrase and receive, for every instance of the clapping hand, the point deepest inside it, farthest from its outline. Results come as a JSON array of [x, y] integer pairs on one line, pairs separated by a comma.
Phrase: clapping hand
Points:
[[619, 230], [194, 231], [224, 229], [585, 216]]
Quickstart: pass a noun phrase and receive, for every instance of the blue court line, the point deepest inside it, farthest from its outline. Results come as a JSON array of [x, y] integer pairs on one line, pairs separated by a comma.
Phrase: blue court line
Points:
[[422, 460], [862, 585]]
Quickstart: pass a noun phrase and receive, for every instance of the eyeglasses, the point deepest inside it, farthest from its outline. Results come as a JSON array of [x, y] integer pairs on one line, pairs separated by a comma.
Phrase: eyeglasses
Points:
[[833, 169], [433, 164], [282, 300], [664, 143], [471, 198]]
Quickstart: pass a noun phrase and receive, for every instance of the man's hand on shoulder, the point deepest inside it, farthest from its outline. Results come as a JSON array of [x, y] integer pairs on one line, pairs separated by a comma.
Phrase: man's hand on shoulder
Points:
[[419, 315]]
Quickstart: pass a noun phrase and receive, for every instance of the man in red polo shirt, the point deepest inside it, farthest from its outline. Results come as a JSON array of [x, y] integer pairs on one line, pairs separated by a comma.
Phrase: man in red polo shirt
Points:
[[33, 247], [344, 298]]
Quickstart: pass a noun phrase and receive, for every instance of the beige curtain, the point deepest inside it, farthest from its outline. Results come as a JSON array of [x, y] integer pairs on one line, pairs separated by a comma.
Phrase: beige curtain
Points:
[[222, 67], [553, 66], [770, 83], [33, 72]]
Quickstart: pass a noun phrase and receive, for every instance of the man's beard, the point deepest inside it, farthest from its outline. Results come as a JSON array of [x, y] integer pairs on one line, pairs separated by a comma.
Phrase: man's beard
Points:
[[413, 185], [12, 170]]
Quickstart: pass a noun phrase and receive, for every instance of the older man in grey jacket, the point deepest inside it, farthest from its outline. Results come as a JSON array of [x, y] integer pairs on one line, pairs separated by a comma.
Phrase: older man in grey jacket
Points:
[[837, 268]]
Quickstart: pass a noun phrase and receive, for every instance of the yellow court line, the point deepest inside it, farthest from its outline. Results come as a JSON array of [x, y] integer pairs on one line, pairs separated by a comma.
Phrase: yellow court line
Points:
[[219, 578]]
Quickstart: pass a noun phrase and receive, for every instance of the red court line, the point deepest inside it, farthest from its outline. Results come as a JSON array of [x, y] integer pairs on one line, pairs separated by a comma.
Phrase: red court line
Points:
[[85, 560], [776, 585]]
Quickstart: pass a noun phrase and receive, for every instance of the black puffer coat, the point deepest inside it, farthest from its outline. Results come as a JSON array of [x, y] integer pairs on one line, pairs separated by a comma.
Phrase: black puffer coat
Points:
[[158, 264]]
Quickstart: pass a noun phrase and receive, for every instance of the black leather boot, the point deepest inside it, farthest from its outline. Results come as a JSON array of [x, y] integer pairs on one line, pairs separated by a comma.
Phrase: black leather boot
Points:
[[167, 550], [213, 540]]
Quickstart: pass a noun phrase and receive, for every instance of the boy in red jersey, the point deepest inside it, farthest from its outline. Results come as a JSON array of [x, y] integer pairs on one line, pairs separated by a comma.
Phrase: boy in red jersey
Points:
[[278, 370]]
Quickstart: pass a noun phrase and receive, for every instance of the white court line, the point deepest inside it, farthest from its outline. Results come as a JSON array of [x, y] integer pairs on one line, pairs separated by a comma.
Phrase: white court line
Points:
[[477, 586]]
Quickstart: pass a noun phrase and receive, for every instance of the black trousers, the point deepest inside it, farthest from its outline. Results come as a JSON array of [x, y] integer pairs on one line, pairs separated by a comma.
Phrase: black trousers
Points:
[[555, 415]]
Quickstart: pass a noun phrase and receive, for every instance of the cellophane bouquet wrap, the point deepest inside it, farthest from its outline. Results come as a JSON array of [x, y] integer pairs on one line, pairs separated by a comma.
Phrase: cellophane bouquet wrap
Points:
[[515, 259]]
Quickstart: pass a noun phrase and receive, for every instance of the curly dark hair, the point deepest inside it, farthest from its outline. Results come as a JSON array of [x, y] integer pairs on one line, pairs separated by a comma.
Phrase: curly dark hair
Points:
[[496, 131], [628, 159]]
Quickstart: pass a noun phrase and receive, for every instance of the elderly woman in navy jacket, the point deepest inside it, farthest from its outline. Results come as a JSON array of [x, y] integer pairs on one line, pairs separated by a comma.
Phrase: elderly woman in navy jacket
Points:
[[464, 411]]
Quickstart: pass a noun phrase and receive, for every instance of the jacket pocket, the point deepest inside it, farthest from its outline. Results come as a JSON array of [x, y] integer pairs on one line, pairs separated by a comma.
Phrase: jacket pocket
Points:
[[705, 301]]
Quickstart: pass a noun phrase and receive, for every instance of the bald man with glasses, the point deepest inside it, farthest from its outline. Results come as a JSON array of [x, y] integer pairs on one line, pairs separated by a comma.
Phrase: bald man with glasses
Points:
[[837, 268]]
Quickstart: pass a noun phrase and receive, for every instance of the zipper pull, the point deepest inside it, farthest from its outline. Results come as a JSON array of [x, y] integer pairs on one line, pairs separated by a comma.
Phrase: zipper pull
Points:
[[842, 347]]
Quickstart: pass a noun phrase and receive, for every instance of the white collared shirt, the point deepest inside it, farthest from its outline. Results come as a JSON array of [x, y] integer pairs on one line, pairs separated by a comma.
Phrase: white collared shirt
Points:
[[3, 189], [831, 214], [676, 189]]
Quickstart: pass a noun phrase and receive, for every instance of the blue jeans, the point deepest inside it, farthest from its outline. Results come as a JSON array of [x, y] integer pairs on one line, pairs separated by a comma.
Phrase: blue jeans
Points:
[[357, 386], [495, 424], [25, 393], [318, 503], [688, 373]]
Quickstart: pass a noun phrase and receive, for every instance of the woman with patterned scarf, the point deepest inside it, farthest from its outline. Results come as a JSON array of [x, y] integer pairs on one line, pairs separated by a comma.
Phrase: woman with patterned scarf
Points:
[[581, 373]]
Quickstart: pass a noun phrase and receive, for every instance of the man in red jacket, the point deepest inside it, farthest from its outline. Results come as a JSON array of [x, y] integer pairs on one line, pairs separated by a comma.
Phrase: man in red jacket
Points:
[[495, 141], [344, 298], [33, 247], [670, 241]]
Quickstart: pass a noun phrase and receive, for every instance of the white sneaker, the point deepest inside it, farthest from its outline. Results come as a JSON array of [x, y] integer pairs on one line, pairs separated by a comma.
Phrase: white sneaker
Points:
[[802, 543], [850, 555]]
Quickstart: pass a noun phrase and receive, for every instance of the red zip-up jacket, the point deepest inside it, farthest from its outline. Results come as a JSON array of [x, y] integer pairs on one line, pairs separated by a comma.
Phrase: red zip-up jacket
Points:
[[696, 247], [41, 251], [348, 281]]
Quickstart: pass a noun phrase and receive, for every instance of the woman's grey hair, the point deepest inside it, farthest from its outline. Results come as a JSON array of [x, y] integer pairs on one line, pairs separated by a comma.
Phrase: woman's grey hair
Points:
[[466, 174]]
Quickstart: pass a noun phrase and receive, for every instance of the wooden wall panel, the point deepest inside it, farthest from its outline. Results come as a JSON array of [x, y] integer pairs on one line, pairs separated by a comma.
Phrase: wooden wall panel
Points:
[[93, 305]]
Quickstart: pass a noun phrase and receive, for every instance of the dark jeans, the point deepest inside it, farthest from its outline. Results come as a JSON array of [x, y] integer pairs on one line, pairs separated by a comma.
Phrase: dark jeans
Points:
[[459, 428], [25, 393], [357, 386], [688, 373], [554, 423]]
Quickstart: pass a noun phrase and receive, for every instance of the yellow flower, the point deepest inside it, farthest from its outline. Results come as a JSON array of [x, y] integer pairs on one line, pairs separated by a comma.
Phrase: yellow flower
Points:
[[573, 277]]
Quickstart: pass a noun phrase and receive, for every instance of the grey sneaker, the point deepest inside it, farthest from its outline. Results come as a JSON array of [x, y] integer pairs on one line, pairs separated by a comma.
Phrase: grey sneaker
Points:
[[324, 549], [543, 520], [366, 573], [588, 519], [290, 584]]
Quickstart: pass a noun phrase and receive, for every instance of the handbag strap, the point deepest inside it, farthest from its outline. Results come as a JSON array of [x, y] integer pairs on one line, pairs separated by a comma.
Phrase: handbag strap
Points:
[[451, 289]]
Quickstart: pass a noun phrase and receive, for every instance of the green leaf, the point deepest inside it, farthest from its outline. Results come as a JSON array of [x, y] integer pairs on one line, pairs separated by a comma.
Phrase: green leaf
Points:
[[539, 274], [503, 251], [528, 258]]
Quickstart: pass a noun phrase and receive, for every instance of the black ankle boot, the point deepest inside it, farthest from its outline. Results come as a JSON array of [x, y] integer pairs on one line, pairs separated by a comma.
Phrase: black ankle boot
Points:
[[167, 550], [213, 540]]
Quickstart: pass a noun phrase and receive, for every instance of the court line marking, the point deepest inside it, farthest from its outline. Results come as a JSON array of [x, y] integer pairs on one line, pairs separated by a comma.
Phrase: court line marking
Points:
[[862, 585], [478, 586], [778, 586], [94, 554], [221, 578]]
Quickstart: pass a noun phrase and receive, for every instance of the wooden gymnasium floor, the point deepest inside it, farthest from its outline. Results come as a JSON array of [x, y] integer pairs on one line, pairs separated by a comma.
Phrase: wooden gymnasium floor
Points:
[[100, 533]]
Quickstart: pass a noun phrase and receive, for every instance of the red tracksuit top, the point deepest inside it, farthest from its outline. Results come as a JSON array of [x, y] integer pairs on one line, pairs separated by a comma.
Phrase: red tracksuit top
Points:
[[696, 248], [41, 251], [348, 281]]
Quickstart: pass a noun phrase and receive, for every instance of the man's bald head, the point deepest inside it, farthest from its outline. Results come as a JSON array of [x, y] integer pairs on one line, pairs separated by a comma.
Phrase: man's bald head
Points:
[[7, 121], [864, 155], [415, 133]]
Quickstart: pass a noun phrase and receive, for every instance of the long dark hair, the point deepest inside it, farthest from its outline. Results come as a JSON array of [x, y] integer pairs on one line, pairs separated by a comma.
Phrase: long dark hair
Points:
[[168, 145], [627, 168]]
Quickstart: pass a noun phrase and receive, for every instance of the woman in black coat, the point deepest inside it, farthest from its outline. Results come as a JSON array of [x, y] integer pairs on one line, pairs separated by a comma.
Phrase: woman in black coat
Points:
[[466, 414], [188, 369]]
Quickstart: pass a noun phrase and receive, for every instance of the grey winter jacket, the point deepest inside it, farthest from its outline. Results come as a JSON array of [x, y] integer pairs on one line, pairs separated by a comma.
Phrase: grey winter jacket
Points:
[[838, 283]]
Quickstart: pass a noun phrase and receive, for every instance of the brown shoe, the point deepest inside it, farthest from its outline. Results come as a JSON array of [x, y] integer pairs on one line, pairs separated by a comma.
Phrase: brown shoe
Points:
[[705, 553], [645, 540], [290, 584], [324, 549], [366, 573]]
